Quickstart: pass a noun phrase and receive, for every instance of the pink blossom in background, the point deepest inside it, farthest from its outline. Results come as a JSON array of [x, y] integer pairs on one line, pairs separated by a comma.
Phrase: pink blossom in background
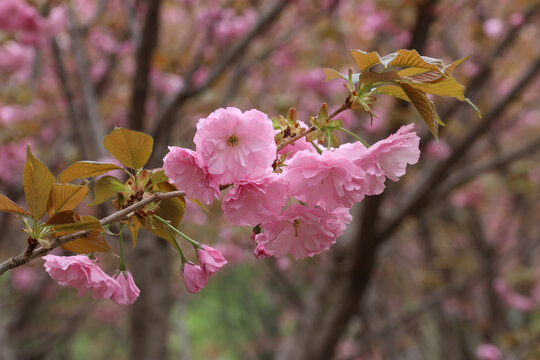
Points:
[[18, 15], [166, 83], [510, 297], [23, 278], [303, 231], [210, 259], [10, 114], [195, 278], [488, 352], [128, 292], [516, 19], [438, 151], [12, 158], [250, 203], [234, 253], [184, 168], [236, 146], [493, 27], [82, 273], [15, 57], [328, 180]]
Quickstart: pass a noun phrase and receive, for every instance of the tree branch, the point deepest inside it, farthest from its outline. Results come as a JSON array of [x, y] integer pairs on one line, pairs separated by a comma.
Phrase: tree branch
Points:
[[120, 215], [143, 59]]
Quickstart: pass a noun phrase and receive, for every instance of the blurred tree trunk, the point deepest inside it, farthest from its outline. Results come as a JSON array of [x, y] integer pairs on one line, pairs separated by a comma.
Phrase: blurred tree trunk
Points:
[[149, 314]]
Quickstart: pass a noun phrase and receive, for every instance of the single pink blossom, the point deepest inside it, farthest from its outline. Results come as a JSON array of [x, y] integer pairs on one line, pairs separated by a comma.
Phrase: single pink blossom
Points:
[[250, 203], [395, 152], [328, 180], [303, 231], [211, 260], [82, 273], [260, 251], [23, 279], [488, 352], [195, 278], [128, 291], [184, 168], [493, 27], [236, 146]]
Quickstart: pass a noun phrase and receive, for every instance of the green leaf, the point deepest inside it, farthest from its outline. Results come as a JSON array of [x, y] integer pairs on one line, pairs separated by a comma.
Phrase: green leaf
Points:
[[94, 242], [65, 197], [37, 181], [169, 209], [131, 148], [7, 205], [105, 188], [85, 222], [158, 176], [83, 169], [447, 87]]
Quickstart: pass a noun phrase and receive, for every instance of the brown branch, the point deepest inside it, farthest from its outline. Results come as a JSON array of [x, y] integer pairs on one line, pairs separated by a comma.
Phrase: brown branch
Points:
[[346, 105], [120, 215], [143, 59], [88, 90]]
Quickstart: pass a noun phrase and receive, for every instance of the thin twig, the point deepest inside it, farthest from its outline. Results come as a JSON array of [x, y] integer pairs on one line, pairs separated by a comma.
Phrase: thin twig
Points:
[[120, 215]]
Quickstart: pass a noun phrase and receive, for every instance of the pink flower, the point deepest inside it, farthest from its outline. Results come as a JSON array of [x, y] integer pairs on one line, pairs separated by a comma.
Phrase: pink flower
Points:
[[493, 27], [395, 152], [303, 231], [23, 279], [184, 168], [211, 260], [236, 146], [260, 251], [329, 180], [195, 278], [488, 352], [128, 291], [250, 203], [82, 273]]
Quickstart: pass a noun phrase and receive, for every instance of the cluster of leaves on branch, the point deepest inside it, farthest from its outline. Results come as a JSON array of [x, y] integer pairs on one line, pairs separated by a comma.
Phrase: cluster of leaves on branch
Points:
[[294, 184]]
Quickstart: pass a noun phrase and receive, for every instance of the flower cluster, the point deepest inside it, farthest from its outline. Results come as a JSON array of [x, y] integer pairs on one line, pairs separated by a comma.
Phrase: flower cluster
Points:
[[299, 209], [196, 276], [83, 274]]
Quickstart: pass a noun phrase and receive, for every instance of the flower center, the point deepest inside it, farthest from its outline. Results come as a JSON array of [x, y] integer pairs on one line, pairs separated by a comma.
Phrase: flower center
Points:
[[232, 141], [296, 223]]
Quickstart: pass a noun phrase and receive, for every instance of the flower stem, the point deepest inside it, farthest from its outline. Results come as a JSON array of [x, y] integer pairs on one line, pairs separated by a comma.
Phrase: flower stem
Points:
[[194, 243], [122, 266], [355, 136]]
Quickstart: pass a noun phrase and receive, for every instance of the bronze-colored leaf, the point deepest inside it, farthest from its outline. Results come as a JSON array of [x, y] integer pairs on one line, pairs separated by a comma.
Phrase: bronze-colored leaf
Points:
[[371, 77], [94, 242], [105, 188], [83, 169], [366, 60], [7, 205], [392, 90], [65, 197], [37, 181], [62, 217], [131, 148], [134, 225], [411, 58], [425, 107], [447, 87], [331, 74]]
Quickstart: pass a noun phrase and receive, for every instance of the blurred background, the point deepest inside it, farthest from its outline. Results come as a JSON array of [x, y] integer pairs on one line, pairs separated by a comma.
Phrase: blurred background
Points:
[[442, 265]]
